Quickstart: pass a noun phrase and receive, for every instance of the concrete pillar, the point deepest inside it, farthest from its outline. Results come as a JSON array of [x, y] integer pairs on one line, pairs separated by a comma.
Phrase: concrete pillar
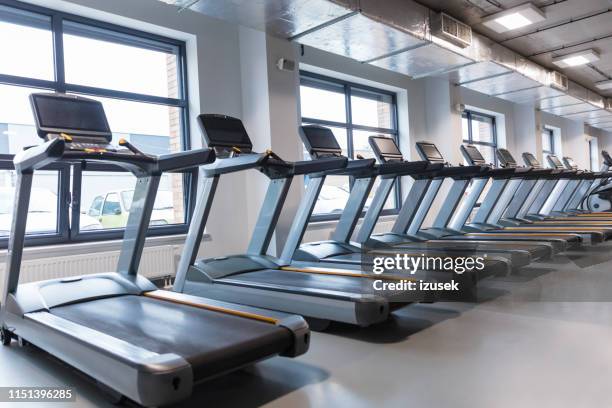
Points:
[[270, 114]]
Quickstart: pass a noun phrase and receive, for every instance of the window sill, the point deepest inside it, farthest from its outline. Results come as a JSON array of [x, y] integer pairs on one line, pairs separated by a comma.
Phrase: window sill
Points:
[[54, 251]]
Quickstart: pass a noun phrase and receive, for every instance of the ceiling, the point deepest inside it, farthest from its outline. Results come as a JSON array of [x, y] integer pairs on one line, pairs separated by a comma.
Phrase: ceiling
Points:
[[570, 25], [400, 35]]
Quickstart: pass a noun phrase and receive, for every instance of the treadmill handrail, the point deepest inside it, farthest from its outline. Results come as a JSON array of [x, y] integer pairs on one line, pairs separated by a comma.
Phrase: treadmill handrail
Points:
[[56, 150]]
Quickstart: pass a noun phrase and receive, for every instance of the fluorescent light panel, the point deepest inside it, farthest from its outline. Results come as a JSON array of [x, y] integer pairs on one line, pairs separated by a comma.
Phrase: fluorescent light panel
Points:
[[513, 18], [604, 85], [576, 58]]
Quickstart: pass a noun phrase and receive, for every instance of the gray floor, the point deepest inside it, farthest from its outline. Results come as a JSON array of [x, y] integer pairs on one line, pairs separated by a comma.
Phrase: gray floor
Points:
[[537, 339]]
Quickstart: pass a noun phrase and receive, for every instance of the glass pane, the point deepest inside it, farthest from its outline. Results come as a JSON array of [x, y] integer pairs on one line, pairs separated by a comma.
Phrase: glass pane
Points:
[[465, 129], [488, 152], [109, 64], [106, 199], [154, 129], [322, 104], [16, 121], [334, 195], [42, 214], [546, 141], [594, 154], [372, 109], [27, 44], [482, 129]]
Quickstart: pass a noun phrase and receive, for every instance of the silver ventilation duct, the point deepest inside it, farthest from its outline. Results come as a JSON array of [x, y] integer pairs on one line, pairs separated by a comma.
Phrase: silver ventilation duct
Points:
[[397, 35]]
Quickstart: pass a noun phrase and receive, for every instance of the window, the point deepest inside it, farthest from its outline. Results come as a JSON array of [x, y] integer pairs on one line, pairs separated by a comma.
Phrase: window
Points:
[[96, 206], [479, 129], [548, 145], [594, 153], [140, 79], [353, 112]]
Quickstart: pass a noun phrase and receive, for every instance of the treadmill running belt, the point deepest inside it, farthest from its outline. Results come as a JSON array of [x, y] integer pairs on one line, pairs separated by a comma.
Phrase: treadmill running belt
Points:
[[211, 342], [298, 280]]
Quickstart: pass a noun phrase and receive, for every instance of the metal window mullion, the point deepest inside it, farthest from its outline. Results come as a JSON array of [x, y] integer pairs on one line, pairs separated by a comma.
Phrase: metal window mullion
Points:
[[129, 96], [58, 52], [63, 197], [27, 82], [469, 119], [374, 129], [324, 122], [349, 121], [398, 184], [77, 179]]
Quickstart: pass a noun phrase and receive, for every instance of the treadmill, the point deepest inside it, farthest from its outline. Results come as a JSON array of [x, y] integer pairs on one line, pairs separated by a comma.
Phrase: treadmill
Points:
[[500, 179], [550, 194], [340, 249], [597, 202], [562, 192], [408, 231], [524, 195], [135, 341], [257, 279]]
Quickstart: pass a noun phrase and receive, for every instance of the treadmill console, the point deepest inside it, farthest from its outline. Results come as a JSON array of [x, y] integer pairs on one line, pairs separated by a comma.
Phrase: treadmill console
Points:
[[429, 152], [531, 161], [473, 155], [320, 141], [80, 122], [569, 163], [505, 158], [607, 158], [555, 163], [225, 134], [385, 149]]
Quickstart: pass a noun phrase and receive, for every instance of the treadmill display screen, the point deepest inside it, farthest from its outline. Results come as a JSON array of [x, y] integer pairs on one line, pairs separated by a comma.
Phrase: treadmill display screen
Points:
[[224, 131], [386, 146], [69, 115], [474, 153], [505, 157], [570, 163], [320, 138], [555, 161], [531, 160], [431, 152]]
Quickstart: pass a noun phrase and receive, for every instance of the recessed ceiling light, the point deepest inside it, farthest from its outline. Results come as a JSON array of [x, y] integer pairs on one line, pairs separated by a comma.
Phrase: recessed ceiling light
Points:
[[513, 18], [576, 58], [604, 84]]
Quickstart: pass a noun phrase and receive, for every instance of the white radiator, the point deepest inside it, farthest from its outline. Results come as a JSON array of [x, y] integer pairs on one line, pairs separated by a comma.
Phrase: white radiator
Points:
[[157, 261]]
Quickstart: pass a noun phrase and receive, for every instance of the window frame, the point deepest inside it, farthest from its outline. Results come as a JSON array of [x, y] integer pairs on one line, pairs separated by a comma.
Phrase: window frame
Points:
[[69, 189], [327, 83], [468, 114], [551, 136], [594, 159]]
